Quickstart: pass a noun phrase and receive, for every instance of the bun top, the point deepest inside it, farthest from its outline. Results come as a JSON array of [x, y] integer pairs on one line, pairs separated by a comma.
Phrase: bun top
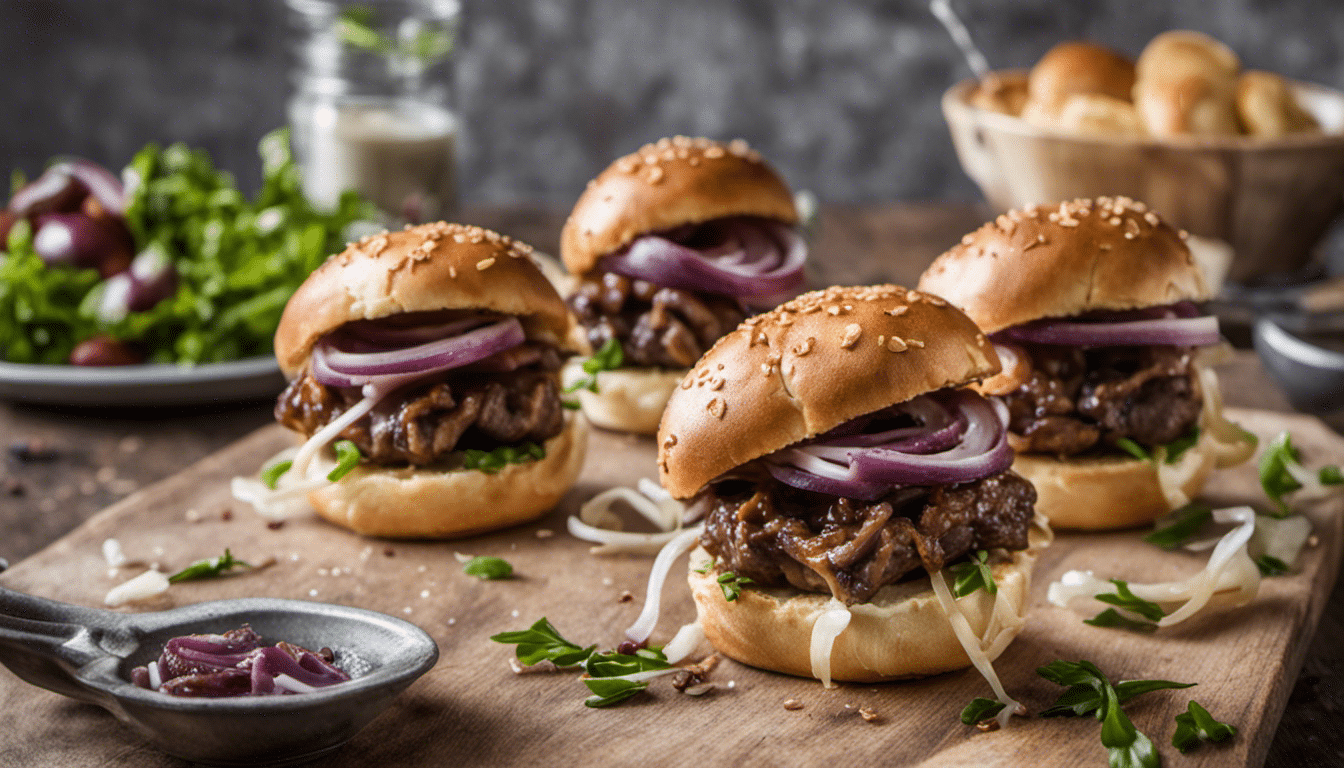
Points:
[[1073, 68], [675, 181], [1181, 52], [1187, 85], [425, 268], [1107, 253], [808, 366]]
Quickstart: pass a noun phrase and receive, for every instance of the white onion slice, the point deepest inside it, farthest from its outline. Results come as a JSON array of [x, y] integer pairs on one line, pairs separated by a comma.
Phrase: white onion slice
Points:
[[1230, 574], [684, 643], [597, 521], [290, 684], [142, 587], [835, 617], [648, 617], [972, 645], [155, 679]]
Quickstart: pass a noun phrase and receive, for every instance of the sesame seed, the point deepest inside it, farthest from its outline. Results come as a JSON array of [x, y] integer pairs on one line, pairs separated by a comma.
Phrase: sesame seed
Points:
[[851, 337], [833, 310], [485, 264], [669, 441], [717, 407], [793, 705], [452, 271], [896, 344], [896, 311], [804, 347], [739, 147], [655, 174], [714, 153], [916, 343]]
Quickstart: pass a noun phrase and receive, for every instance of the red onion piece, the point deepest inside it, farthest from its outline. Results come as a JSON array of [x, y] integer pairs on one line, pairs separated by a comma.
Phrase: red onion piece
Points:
[[105, 187], [853, 489], [388, 336], [1176, 331], [750, 259], [939, 430], [337, 368], [65, 184], [983, 451], [153, 279]]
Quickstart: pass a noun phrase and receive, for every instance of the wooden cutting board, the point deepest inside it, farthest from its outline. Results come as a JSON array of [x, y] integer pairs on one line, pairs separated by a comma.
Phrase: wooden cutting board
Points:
[[472, 710]]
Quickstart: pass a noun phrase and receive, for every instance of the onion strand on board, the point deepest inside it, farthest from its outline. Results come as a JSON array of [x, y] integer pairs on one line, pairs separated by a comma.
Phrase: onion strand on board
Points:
[[682, 644], [648, 617], [834, 618], [596, 522], [972, 644], [1230, 574]]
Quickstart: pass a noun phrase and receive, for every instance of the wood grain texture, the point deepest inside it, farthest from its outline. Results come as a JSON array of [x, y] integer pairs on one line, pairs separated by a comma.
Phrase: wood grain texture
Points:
[[472, 710]]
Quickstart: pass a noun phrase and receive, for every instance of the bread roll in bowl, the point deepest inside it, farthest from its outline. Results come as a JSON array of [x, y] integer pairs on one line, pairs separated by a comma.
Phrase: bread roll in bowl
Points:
[[1075, 68], [1186, 86], [902, 633], [1267, 107]]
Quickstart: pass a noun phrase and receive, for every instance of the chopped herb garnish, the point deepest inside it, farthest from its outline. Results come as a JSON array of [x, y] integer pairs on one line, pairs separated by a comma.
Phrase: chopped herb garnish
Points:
[[707, 567], [1331, 475], [1185, 523], [1113, 619], [731, 584], [608, 358], [1182, 444], [974, 574], [609, 675], [980, 709], [1271, 566], [488, 568], [208, 568], [271, 475], [1196, 726], [572, 405], [1133, 449], [1274, 475], [1090, 692], [1123, 598], [493, 461], [347, 458], [542, 642]]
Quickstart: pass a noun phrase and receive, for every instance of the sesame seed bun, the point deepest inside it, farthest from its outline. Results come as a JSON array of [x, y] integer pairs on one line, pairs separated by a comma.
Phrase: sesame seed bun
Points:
[[807, 366], [1040, 262], [429, 267], [902, 632], [1076, 68], [672, 182], [435, 503]]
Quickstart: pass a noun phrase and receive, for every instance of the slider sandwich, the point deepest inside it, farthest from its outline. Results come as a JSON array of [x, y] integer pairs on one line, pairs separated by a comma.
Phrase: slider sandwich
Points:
[[840, 466], [1115, 412], [673, 246], [430, 359]]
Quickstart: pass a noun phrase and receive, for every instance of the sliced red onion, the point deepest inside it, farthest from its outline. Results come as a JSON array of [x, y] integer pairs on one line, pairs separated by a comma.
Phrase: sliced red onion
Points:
[[388, 336], [64, 185], [437, 355], [1176, 331], [153, 278], [750, 259], [971, 434], [807, 481]]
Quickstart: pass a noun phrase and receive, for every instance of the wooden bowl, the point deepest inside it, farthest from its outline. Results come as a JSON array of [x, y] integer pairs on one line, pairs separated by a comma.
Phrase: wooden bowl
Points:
[[1271, 200]]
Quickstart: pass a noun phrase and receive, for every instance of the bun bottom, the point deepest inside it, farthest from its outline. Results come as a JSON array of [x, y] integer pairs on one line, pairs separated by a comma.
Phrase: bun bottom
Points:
[[903, 632], [1106, 493], [411, 502], [628, 399]]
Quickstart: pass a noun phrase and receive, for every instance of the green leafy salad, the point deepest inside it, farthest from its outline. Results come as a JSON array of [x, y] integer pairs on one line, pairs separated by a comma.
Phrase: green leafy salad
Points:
[[236, 263]]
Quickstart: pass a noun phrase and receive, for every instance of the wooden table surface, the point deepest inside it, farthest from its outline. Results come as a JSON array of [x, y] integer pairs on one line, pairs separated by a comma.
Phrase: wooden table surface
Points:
[[62, 465]]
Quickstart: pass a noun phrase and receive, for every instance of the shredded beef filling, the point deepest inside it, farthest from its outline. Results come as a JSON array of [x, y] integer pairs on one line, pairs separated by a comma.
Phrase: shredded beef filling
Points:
[[782, 536], [513, 397], [1080, 400], [656, 326]]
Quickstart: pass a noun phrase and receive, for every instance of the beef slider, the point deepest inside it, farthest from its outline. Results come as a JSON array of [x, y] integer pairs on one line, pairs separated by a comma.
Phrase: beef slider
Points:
[[826, 360], [1074, 406]]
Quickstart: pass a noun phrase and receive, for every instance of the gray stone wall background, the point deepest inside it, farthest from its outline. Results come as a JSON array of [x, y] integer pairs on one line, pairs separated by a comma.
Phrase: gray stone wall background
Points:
[[841, 95]]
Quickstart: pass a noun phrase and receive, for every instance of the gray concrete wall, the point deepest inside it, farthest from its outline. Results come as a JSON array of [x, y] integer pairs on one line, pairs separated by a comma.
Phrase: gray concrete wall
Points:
[[842, 96]]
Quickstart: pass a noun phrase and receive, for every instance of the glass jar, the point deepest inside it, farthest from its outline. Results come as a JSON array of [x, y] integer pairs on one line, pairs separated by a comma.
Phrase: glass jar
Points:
[[372, 105]]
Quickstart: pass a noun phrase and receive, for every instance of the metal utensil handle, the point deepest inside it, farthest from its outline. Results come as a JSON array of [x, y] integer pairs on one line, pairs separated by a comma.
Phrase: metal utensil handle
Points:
[[44, 641]]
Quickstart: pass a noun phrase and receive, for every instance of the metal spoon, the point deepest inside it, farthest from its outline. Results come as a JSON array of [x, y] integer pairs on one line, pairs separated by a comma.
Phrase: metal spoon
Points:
[[88, 654]]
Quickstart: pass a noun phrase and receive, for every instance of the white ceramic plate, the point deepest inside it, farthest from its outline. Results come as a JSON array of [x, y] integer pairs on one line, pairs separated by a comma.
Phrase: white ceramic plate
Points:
[[142, 385]]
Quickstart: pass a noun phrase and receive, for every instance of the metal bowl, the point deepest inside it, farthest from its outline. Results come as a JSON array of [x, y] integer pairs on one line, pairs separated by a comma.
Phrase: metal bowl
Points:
[[1311, 374]]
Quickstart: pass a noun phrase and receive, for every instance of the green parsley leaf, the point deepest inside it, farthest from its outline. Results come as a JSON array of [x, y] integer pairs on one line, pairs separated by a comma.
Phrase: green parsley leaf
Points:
[[208, 568], [1113, 619], [493, 461], [608, 358], [572, 405], [1128, 747], [1196, 726], [488, 568], [1128, 689], [1186, 522], [271, 475], [1182, 444], [1133, 449], [1123, 598], [347, 458], [613, 664], [973, 574], [542, 642], [1331, 475], [732, 584], [1271, 566], [611, 691], [980, 709], [707, 567], [1090, 692], [1274, 475]]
